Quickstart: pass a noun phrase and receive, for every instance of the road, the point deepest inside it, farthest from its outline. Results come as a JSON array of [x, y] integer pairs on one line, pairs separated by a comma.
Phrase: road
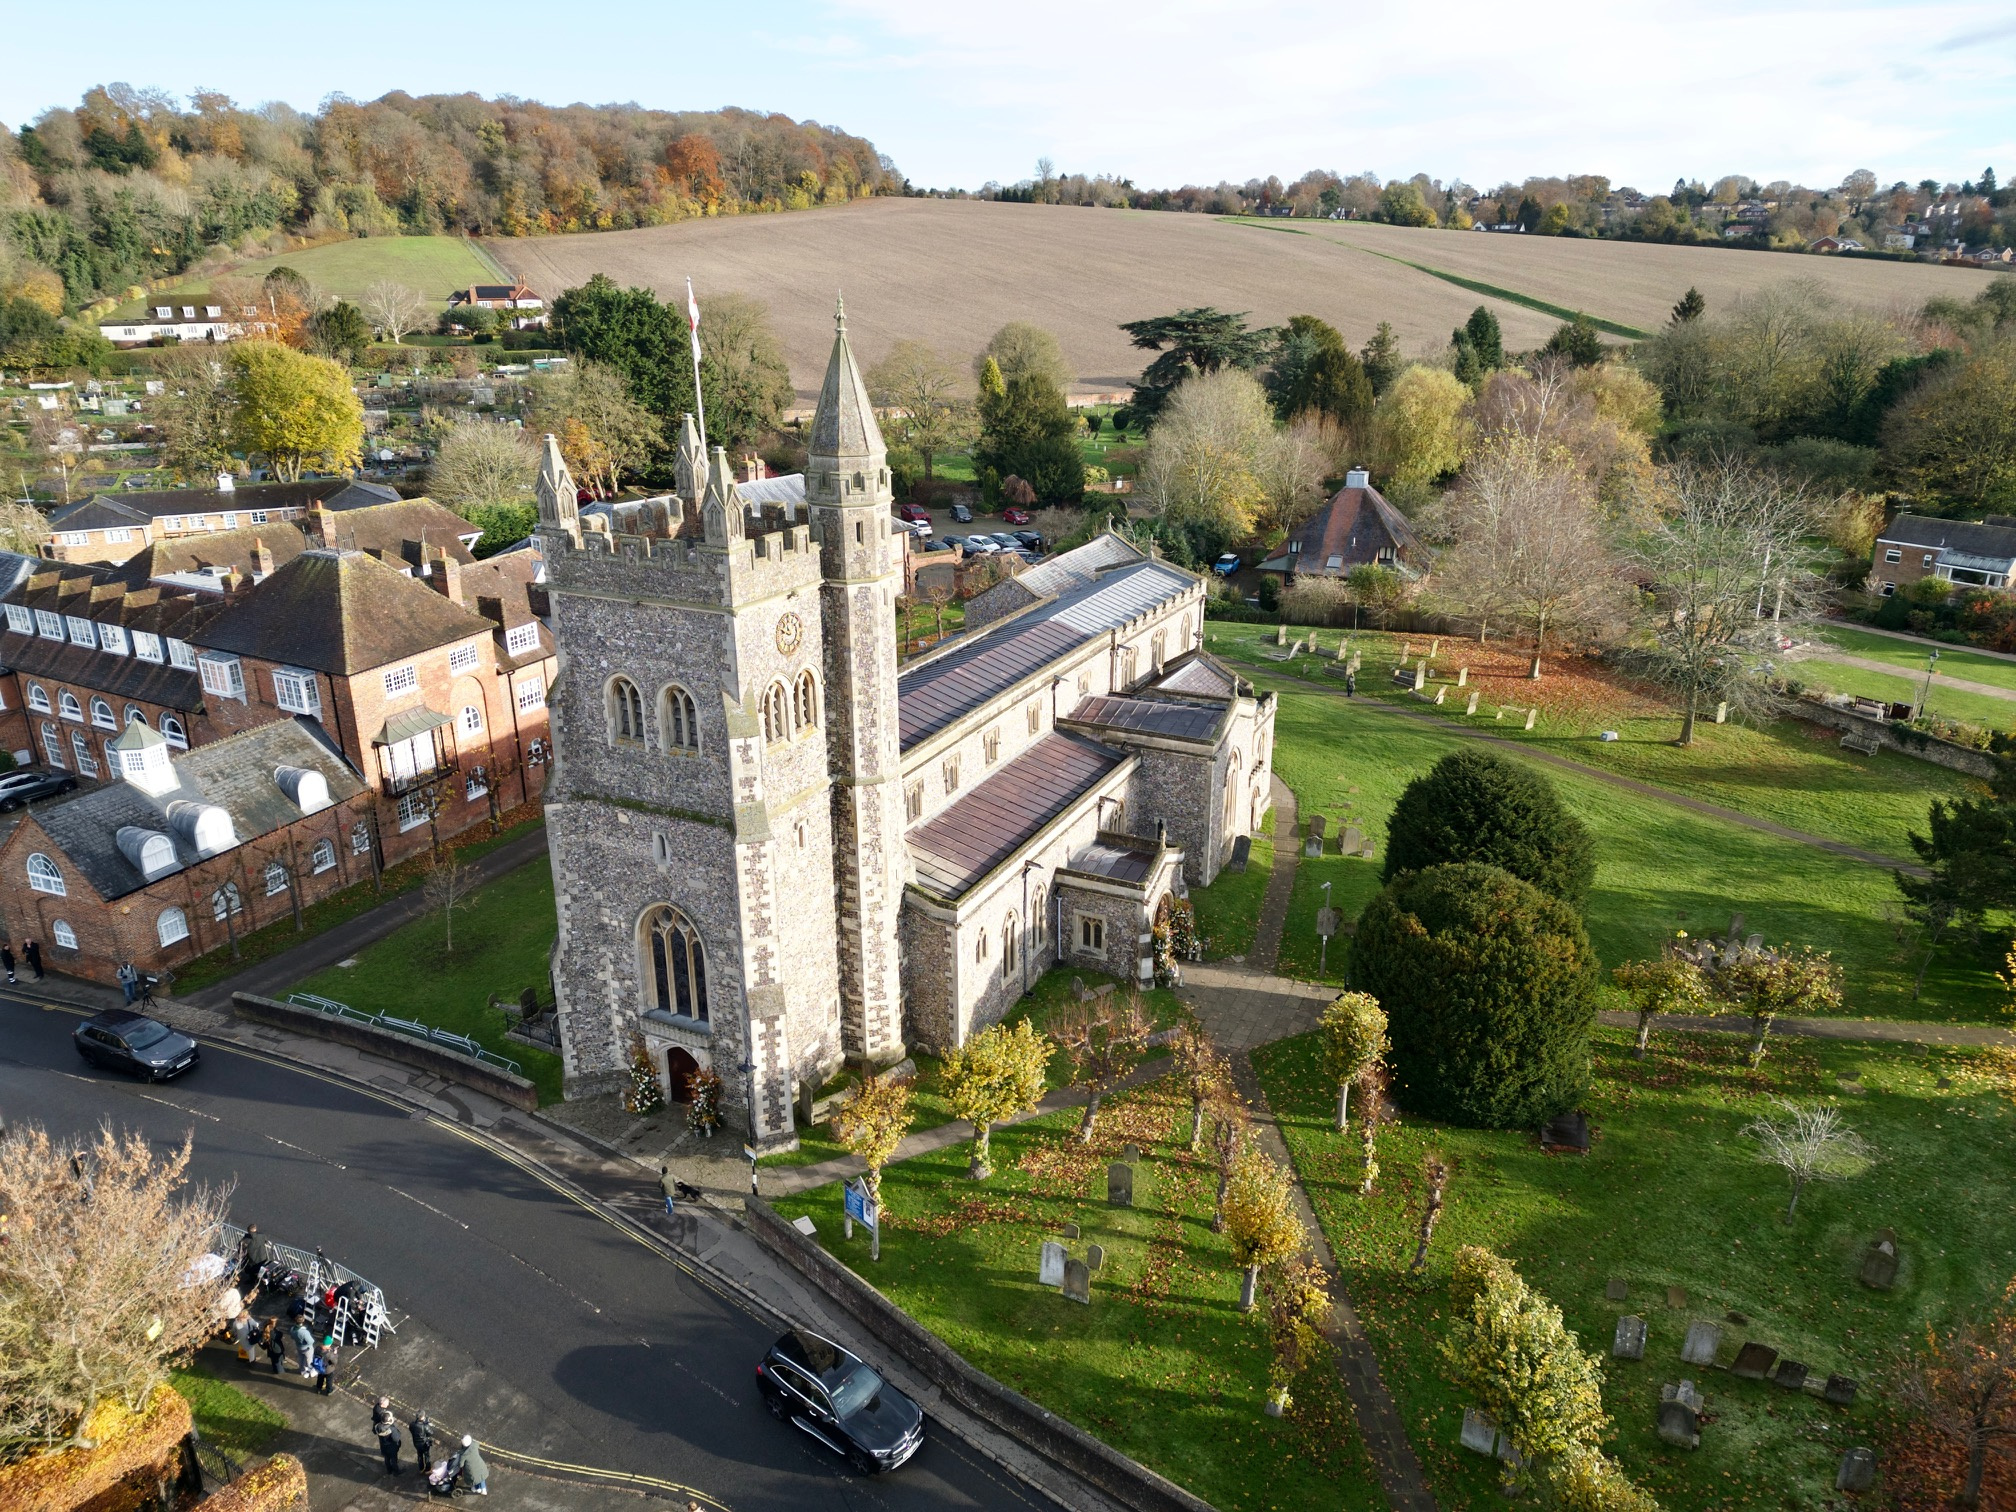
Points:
[[572, 1339]]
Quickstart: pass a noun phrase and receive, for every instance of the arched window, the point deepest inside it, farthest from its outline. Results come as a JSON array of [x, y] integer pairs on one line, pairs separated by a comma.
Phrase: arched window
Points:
[[980, 946], [1011, 936], [472, 720], [171, 730], [776, 713], [225, 900], [101, 714], [626, 712], [135, 715], [172, 925], [805, 703], [1039, 917], [678, 720], [43, 876], [67, 705], [38, 698], [276, 878], [1231, 795], [323, 856], [675, 965], [64, 936]]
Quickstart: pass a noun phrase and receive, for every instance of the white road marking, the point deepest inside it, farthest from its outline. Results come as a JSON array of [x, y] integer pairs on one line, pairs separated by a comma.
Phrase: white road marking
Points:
[[430, 1208]]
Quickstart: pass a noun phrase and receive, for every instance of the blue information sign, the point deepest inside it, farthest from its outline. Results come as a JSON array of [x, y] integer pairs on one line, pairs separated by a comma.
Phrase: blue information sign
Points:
[[859, 1208]]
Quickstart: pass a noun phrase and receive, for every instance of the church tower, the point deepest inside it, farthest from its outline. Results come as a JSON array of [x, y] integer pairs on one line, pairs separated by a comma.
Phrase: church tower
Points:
[[848, 494]]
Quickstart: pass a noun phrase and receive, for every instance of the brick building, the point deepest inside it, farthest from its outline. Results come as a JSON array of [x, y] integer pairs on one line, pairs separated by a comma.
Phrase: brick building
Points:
[[114, 527], [1966, 553], [1357, 528]]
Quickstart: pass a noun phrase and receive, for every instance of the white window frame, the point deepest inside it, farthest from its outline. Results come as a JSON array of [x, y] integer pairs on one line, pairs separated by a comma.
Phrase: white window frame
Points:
[[82, 631], [222, 674], [109, 722], [322, 857], [181, 654], [476, 785], [118, 537], [48, 626], [297, 690], [64, 936], [112, 638], [38, 698], [20, 619], [360, 838], [400, 680], [67, 705], [531, 694], [48, 878], [463, 659], [52, 747], [472, 720], [73, 538], [257, 517], [522, 638], [277, 880], [412, 811], [173, 732], [1894, 554], [167, 919], [147, 645], [86, 758]]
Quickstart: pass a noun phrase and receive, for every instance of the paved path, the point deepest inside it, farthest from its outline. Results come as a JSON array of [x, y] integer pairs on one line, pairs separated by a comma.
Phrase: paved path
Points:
[[1281, 881], [1939, 679]]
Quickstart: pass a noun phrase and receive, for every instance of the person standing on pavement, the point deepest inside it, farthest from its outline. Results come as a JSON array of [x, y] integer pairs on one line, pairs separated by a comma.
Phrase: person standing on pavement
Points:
[[422, 1430], [326, 1361], [386, 1427], [7, 960], [304, 1348], [274, 1340], [258, 1250], [242, 1333], [473, 1468], [31, 952], [129, 981]]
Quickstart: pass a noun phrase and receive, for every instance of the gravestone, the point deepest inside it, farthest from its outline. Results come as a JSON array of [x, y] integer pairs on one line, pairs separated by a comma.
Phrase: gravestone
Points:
[[1676, 1296], [1077, 1282], [1312, 844], [1879, 1261], [1943, 1083], [1050, 1272], [1366, 852], [1119, 1185], [1242, 852], [1352, 840], [1440, 693], [1685, 1393], [1435, 646], [1840, 1390], [1568, 1134], [1702, 1340], [1462, 677], [1629, 1340], [1722, 713], [1281, 635], [1095, 1257], [1070, 1231], [1857, 1472], [1130, 1152], [1420, 676], [1471, 707], [1679, 1425], [1754, 1361], [1480, 1434], [1616, 1289], [1735, 925], [1791, 1374], [1741, 1320], [1754, 943], [1531, 715]]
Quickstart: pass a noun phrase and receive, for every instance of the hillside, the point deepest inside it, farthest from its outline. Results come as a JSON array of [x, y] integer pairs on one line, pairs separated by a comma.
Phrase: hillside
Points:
[[951, 272]]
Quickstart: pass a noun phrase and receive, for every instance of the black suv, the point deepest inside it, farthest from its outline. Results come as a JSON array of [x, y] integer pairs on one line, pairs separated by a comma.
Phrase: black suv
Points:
[[841, 1402], [23, 786], [120, 1040]]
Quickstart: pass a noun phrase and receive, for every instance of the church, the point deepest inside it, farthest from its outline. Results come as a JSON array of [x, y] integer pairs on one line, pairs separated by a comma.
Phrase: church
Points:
[[776, 851]]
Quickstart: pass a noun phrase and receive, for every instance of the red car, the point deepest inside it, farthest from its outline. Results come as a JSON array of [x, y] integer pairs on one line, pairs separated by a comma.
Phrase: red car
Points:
[[916, 514], [1015, 516]]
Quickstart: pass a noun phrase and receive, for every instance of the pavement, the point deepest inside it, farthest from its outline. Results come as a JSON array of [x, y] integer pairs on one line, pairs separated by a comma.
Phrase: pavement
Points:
[[1891, 669]]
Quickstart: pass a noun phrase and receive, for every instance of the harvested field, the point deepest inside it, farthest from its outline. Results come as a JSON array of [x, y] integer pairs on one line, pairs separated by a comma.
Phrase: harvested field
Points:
[[951, 272]]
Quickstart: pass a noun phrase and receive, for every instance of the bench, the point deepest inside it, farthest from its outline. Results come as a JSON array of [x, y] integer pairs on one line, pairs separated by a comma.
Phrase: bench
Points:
[[1867, 745]]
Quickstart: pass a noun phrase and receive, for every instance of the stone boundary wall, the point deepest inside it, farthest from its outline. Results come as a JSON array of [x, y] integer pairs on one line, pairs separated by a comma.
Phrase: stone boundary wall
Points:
[[1071, 1448], [1906, 741], [464, 1070]]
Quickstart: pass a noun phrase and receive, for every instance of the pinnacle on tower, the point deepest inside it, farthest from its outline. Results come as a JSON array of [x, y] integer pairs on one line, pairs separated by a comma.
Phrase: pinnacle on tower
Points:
[[843, 425], [691, 461], [558, 500]]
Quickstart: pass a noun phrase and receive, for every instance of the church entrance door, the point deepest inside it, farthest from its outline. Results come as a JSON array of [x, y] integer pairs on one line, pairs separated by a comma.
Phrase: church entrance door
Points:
[[679, 1069]]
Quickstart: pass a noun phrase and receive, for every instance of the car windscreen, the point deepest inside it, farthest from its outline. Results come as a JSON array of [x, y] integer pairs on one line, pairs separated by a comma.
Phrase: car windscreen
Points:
[[855, 1390], [140, 1036]]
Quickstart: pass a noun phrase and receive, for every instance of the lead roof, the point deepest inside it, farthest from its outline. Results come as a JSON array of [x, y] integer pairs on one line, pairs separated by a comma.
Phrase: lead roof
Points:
[[962, 843]]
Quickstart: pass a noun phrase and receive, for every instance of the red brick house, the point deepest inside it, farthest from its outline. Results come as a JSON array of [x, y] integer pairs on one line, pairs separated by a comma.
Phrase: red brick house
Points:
[[114, 527]]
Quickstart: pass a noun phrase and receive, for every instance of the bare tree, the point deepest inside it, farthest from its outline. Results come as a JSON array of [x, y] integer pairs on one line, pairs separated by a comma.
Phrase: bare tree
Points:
[[481, 464], [1732, 575], [603, 432], [1530, 545], [1811, 1144], [1105, 1039], [1964, 1386], [194, 414], [394, 308], [924, 400], [450, 885]]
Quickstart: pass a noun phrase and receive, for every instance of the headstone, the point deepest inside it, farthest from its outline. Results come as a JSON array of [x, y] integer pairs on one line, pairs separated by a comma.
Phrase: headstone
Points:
[[1069, 1230], [1840, 1390], [1879, 1262], [1352, 840], [1791, 1374], [1531, 715], [1462, 677], [1479, 1432], [1754, 1361], [1741, 1320], [1683, 1393], [1722, 713], [1077, 1282], [1281, 635], [1051, 1271], [1676, 1296], [1420, 676], [1095, 1257], [1702, 1340], [1943, 1083], [1754, 943], [1629, 1341], [1078, 989], [1435, 646], [1735, 925], [1130, 1152], [1568, 1134], [1439, 695], [1679, 1425], [1471, 707], [1857, 1472], [1242, 852], [1120, 1185], [1616, 1289], [1366, 853]]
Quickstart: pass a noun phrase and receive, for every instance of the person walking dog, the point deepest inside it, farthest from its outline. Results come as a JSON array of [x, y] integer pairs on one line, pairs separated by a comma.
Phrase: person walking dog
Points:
[[669, 1185], [386, 1427]]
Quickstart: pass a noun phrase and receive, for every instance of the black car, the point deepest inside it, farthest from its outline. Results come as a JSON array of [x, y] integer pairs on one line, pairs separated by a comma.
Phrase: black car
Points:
[[17, 789], [1033, 539], [962, 514], [120, 1040], [832, 1395]]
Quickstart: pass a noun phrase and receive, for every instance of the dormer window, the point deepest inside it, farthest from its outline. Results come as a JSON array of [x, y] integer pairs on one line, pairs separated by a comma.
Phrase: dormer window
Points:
[[82, 631], [164, 312], [181, 654], [519, 640], [20, 619], [297, 691], [49, 626], [222, 674], [147, 645], [113, 638]]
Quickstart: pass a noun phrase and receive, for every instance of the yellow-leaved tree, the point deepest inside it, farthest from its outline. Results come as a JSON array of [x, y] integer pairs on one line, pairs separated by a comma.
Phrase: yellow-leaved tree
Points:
[[872, 1125], [995, 1076], [295, 411], [1354, 1036], [1669, 983], [1419, 431], [1260, 1218]]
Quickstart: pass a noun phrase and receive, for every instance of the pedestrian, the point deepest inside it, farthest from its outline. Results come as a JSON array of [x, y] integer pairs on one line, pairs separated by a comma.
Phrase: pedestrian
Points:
[[31, 952], [129, 981], [243, 1332], [1350, 683], [473, 1469], [7, 960], [304, 1348], [258, 1250], [422, 1430], [386, 1427], [274, 1339], [326, 1361], [669, 1185]]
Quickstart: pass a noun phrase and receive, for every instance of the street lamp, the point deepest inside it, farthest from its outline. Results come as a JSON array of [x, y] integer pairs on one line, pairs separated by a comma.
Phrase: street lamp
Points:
[[1924, 698], [1325, 923]]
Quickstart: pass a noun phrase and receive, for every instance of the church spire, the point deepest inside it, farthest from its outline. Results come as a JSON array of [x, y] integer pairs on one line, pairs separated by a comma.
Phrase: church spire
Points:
[[843, 425], [558, 500]]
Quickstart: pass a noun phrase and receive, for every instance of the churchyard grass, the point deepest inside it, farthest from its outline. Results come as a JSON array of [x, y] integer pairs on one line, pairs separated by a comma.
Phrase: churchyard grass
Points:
[[501, 943], [1909, 656], [1161, 1365], [1228, 911], [229, 1418], [1672, 1195]]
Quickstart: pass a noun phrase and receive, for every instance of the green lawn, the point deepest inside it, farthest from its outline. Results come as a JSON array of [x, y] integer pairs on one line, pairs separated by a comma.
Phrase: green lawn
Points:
[[1982, 709], [1909, 656], [1228, 911], [1672, 1196], [435, 265], [1162, 1365], [501, 945], [233, 1420]]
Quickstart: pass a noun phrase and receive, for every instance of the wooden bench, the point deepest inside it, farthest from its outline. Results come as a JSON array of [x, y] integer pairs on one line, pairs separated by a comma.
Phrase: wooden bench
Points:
[[1867, 745]]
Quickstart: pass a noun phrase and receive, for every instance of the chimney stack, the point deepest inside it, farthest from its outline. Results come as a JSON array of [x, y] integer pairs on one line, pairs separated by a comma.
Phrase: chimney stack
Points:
[[320, 525], [1357, 477], [262, 560], [491, 609]]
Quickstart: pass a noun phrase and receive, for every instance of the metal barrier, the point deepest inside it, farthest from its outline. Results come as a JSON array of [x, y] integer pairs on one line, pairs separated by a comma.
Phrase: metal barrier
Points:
[[472, 1048], [319, 1271]]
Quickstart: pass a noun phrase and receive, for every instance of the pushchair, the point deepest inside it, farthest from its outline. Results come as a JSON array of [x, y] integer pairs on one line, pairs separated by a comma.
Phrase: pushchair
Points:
[[444, 1474]]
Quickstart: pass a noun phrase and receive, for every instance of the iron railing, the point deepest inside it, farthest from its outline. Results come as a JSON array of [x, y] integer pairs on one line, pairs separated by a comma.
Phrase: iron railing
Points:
[[468, 1046]]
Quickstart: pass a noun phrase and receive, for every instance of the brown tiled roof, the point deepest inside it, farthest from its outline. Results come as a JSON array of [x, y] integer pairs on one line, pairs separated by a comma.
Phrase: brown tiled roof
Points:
[[339, 612], [392, 530], [958, 847], [1195, 675], [125, 677], [153, 503], [1178, 721], [1356, 525], [508, 579]]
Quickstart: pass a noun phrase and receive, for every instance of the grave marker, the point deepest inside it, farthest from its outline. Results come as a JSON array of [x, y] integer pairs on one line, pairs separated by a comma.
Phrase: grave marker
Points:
[[1312, 843], [1281, 635], [1722, 713], [1095, 1257], [1119, 1185], [1471, 707], [1840, 1390], [1676, 1296], [1857, 1472], [1480, 1434], [1352, 840], [1050, 1271], [1616, 1289], [1702, 1340], [1242, 852], [1735, 925], [1420, 676], [1070, 1231], [1629, 1341], [1679, 1425], [1366, 853], [1791, 1374], [1754, 1361], [1130, 1152], [1462, 677], [1077, 1282], [1531, 715], [1440, 693], [1754, 943], [1435, 646], [1880, 1261], [1684, 1392]]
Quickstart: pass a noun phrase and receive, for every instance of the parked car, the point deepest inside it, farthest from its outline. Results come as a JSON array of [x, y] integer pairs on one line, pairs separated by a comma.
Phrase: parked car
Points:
[[17, 789], [914, 527], [1033, 539], [950, 543], [980, 545], [916, 514], [1015, 515], [121, 1040], [813, 1383], [962, 514], [1006, 540], [1227, 564]]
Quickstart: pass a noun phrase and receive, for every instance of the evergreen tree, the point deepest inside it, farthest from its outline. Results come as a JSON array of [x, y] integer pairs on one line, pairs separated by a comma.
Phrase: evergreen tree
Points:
[[1027, 431], [1382, 360], [1201, 340], [1475, 805], [1314, 370], [1469, 367], [1691, 307], [1576, 342], [1487, 339]]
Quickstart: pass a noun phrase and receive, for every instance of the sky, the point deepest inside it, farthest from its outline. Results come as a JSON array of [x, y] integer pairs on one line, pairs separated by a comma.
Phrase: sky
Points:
[[1184, 91]]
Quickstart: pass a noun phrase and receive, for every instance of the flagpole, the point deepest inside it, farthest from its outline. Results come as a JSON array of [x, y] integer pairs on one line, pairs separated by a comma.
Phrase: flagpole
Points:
[[693, 328]]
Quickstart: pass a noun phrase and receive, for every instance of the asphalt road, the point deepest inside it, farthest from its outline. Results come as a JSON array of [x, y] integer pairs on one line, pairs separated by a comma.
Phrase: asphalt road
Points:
[[625, 1361]]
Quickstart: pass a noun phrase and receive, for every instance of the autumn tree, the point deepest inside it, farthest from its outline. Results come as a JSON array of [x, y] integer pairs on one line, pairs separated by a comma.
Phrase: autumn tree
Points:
[[1298, 1303], [1954, 436], [450, 886], [1372, 1082], [1665, 983], [1809, 1144], [1419, 432], [925, 404], [1260, 1218], [1963, 1386], [394, 308], [1353, 1028], [694, 164], [1200, 1072], [603, 432], [1104, 1038], [873, 1125], [195, 415], [296, 411], [103, 1237], [1217, 468], [997, 1075], [1765, 983]]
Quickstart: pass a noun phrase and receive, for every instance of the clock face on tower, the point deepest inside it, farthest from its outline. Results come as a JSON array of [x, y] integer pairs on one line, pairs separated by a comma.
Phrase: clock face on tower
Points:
[[790, 631]]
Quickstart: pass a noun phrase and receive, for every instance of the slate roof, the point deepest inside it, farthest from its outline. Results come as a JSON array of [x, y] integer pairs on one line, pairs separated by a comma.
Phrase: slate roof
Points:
[[937, 692], [393, 529], [1355, 526], [1930, 533], [1078, 566], [1197, 675], [152, 503], [1177, 721], [235, 774], [126, 677], [959, 846], [99, 513], [339, 612]]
